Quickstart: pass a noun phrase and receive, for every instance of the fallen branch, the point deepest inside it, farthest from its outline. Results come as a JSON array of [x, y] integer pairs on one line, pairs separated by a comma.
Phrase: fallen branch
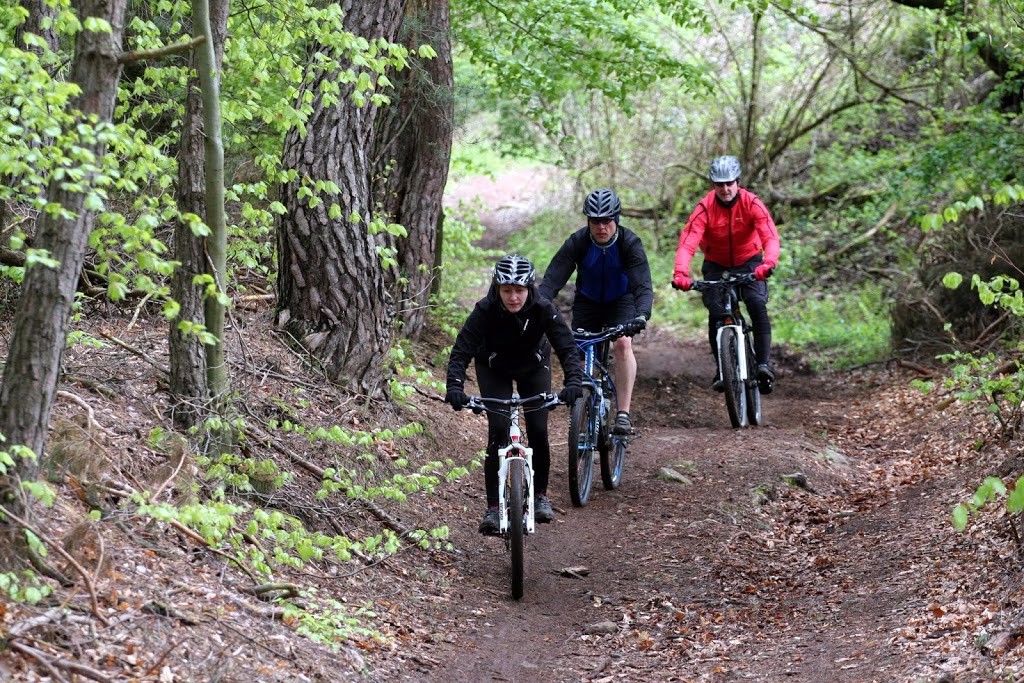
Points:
[[199, 539], [141, 354], [63, 553], [88, 411]]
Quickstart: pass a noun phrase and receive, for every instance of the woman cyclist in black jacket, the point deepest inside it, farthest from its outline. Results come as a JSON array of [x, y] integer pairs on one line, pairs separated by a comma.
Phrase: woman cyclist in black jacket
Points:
[[510, 334]]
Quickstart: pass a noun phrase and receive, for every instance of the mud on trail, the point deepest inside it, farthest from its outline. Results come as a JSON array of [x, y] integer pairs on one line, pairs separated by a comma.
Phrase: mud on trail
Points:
[[848, 572]]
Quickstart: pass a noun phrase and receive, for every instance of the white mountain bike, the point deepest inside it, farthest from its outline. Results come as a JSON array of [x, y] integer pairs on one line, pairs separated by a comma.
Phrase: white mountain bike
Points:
[[736, 360], [515, 476]]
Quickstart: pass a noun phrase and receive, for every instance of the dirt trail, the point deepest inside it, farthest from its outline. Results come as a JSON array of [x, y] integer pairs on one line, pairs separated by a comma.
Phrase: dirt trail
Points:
[[731, 573]]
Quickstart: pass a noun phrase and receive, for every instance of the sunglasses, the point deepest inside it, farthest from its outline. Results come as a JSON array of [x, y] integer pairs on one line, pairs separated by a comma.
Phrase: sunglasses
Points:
[[600, 221], [726, 184]]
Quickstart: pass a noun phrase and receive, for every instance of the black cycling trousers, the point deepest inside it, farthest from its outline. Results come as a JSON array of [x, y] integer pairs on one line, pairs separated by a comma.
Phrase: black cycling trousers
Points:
[[494, 384], [754, 296]]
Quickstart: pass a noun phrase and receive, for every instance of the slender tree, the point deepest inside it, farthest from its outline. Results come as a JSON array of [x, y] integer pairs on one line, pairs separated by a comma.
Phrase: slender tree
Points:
[[197, 369], [41, 322]]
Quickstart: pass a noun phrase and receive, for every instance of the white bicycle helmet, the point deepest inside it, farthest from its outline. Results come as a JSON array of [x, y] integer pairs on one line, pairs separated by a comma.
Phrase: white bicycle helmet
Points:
[[725, 169], [514, 270]]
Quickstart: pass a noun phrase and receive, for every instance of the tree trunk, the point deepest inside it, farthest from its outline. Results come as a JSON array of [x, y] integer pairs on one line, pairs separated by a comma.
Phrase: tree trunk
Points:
[[40, 21], [189, 366], [41, 321], [332, 296], [413, 151]]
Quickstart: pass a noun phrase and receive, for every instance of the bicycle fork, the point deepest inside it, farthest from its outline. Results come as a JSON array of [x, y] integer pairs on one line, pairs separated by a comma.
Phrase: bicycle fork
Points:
[[741, 350], [525, 455]]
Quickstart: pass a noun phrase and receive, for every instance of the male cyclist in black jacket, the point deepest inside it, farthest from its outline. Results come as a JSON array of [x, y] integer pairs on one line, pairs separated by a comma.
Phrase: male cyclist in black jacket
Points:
[[613, 286], [509, 334]]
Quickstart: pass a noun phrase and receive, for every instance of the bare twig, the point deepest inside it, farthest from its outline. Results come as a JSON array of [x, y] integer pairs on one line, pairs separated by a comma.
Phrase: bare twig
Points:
[[88, 411], [37, 655], [141, 354], [199, 539], [59, 549]]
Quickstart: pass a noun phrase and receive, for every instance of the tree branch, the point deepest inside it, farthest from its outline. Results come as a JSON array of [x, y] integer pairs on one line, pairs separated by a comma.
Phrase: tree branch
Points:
[[160, 52]]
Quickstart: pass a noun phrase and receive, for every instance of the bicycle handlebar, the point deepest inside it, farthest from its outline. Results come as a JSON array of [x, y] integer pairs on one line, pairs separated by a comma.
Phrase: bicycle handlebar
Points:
[[606, 334], [481, 403], [727, 279]]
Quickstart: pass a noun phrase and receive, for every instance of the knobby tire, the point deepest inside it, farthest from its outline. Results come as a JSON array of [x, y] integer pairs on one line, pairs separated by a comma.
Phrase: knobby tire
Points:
[[581, 449], [735, 393], [516, 506], [612, 450], [753, 392]]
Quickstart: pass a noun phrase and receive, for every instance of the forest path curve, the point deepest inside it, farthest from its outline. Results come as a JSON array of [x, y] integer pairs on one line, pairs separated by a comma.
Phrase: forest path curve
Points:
[[731, 573]]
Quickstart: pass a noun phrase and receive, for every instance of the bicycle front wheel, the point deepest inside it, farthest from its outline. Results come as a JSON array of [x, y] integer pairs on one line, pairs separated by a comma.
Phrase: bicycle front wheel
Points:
[[582, 441], [516, 484], [612, 449], [753, 392], [735, 392]]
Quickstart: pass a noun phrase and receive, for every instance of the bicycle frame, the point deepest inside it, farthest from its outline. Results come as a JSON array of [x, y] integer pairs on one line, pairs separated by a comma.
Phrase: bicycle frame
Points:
[[594, 346], [745, 404], [516, 450], [590, 433]]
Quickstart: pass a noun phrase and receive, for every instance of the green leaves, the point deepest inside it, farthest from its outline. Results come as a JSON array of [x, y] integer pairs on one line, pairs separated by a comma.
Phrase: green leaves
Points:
[[990, 490]]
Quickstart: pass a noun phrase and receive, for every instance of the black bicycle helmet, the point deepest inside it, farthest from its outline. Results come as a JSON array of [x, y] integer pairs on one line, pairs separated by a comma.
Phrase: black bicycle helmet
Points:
[[603, 203], [725, 170], [514, 270]]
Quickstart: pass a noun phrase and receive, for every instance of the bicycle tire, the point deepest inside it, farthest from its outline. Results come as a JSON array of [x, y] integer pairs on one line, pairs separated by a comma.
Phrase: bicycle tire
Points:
[[613, 463], [735, 393], [753, 391], [516, 531], [612, 450], [581, 449]]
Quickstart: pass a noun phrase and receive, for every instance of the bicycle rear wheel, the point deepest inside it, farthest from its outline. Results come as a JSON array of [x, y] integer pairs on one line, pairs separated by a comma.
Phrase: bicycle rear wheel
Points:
[[753, 392], [735, 393], [581, 449], [516, 505], [612, 449]]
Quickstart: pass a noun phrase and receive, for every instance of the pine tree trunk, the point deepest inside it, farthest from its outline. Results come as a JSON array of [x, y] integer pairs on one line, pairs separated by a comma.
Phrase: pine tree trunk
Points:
[[414, 141], [41, 322], [332, 296], [40, 21]]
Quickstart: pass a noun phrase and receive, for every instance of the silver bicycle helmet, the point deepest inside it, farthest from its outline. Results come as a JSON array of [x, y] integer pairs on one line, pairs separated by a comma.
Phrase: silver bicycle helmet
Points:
[[725, 169], [602, 203], [514, 270]]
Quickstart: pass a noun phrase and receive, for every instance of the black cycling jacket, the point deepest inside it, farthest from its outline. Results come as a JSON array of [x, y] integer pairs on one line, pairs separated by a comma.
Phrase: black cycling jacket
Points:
[[573, 253], [513, 343]]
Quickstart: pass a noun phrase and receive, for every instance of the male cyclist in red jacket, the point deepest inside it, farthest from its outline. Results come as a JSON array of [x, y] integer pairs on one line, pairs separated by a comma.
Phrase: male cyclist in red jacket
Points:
[[734, 230]]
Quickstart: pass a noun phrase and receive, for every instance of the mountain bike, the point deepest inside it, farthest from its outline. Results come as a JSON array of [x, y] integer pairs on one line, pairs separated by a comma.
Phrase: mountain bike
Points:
[[735, 344], [591, 417], [515, 476]]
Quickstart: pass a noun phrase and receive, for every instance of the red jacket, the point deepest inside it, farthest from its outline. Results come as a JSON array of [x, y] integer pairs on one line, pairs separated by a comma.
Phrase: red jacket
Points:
[[728, 237]]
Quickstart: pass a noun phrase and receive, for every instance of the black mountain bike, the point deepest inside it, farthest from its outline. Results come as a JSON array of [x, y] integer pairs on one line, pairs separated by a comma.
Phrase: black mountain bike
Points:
[[515, 477], [736, 360], [592, 416]]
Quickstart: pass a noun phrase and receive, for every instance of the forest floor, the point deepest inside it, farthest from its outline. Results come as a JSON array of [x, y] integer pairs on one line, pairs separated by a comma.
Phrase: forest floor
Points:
[[704, 565]]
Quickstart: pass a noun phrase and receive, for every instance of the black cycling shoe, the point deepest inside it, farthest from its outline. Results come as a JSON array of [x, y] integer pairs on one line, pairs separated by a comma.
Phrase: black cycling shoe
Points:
[[490, 525], [542, 510], [717, 384], [765, 378]]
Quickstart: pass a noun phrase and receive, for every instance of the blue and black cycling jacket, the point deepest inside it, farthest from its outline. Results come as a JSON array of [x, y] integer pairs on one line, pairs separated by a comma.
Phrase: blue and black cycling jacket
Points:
[[603, 272]]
